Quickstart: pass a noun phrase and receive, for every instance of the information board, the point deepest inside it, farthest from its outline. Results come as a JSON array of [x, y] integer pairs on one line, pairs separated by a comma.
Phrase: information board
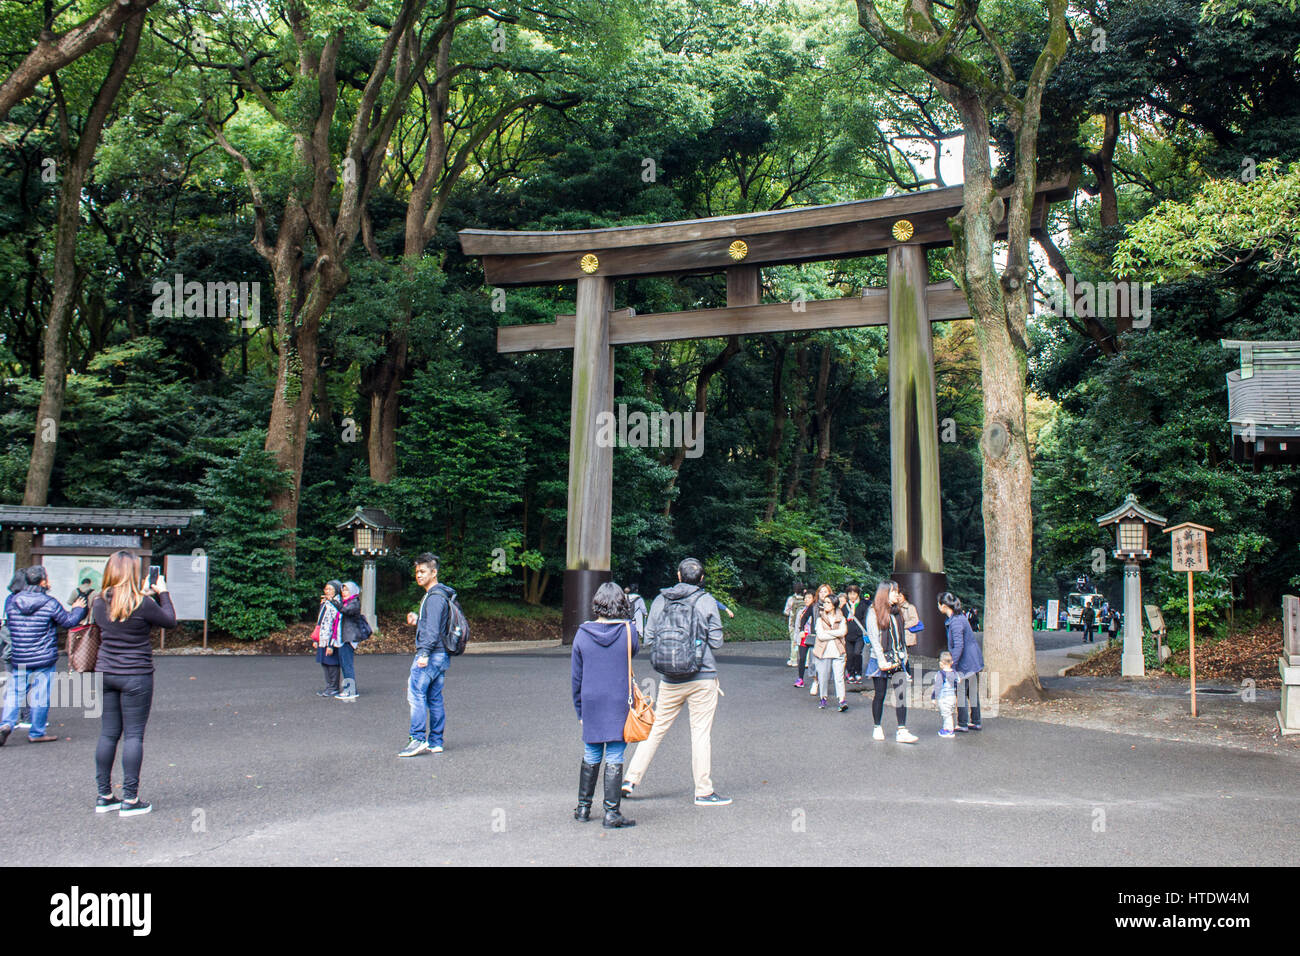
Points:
[[187, 580], [65, 572], [1053, 614]]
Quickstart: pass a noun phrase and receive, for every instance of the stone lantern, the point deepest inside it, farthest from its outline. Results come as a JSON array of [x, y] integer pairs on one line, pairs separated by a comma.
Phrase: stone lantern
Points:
[[1132, 544], [373, 535]]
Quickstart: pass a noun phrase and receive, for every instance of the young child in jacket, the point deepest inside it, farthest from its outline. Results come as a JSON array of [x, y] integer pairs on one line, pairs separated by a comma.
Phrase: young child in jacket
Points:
[[945, 694]]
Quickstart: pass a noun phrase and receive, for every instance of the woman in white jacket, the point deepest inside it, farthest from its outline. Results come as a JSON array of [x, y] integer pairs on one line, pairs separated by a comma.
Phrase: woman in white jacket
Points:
[[828, 653], [887, 666]]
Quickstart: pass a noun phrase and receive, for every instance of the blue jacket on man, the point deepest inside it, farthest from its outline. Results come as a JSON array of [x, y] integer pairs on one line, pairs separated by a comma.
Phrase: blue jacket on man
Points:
[[435, 611], [34, 619], [967, 658]]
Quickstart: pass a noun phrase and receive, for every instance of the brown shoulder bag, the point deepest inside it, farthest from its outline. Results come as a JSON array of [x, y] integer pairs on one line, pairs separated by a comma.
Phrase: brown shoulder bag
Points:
[[83, 648], [640, 708]]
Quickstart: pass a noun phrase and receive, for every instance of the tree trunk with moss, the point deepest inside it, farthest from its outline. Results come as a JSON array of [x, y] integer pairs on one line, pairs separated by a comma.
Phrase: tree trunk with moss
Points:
[[999, 302]]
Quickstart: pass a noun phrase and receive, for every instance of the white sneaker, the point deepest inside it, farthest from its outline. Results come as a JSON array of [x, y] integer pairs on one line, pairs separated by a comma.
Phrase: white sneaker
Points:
[[904, 736], [437, 749], [813, 691], [878, 733], [789, 663]]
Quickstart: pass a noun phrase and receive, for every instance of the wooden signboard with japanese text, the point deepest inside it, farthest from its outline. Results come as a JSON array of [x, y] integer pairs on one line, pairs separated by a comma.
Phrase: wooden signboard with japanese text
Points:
[[1189, 551]]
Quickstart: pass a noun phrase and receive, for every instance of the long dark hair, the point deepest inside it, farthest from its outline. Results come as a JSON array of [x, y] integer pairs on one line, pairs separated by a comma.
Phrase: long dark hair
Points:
[[880, 603]]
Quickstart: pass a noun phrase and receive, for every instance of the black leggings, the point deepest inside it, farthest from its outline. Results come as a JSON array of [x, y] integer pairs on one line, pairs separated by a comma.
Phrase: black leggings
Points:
[[881, 683], [128, 699], [853, 666], [803, 658]]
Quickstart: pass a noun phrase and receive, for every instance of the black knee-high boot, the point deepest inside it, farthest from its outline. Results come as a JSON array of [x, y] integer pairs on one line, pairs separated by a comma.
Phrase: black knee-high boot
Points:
[[614, 797], [586, 790]]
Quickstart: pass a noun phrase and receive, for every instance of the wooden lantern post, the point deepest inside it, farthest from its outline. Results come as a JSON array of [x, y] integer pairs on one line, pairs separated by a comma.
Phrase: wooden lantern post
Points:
[[1190, 553]]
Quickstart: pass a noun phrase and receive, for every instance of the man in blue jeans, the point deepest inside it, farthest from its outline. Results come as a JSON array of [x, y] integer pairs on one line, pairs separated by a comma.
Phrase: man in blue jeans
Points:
[[424, 692], [34, 620]]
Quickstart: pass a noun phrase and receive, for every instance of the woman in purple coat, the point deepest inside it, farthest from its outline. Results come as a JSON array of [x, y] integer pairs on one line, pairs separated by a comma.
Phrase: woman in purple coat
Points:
[[600, 696]]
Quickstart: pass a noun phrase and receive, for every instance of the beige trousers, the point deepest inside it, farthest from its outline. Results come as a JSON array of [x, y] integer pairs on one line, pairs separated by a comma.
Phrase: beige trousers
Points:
[[701, 697]]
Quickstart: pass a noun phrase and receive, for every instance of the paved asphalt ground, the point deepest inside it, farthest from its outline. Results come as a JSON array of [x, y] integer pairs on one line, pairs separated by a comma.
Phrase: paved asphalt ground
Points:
[[246, 766]]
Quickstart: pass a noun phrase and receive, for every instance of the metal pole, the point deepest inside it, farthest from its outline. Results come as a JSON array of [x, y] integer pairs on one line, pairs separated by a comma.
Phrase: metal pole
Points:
[[1191, 637]]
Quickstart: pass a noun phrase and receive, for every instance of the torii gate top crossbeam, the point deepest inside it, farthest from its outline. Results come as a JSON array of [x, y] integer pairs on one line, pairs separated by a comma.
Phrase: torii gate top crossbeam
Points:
[[807, 234]]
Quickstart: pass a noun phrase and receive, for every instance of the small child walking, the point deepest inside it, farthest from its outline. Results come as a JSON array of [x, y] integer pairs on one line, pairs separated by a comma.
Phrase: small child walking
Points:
[[945, 693]]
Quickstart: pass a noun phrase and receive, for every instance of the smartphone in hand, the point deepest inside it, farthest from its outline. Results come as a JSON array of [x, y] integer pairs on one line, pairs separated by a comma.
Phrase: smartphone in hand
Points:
[[154, 571]]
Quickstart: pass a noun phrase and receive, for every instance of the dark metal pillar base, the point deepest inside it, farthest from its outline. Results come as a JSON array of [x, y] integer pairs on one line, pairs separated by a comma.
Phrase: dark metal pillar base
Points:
[[923, 589], [579, 588]]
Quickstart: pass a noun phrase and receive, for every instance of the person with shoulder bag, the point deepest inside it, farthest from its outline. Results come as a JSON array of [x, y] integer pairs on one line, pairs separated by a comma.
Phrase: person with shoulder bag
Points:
[[855, 619], [326, 637], [887, 666], [828, 652], [804, 635], [126, 616], [353, 629], [601, 671]]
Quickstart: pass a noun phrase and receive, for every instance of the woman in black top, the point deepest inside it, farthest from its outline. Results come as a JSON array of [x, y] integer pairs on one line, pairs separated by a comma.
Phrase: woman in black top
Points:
[[126, 616]]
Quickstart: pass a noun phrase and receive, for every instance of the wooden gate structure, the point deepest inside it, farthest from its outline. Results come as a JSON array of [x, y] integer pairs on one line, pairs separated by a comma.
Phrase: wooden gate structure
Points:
[[902, 227]]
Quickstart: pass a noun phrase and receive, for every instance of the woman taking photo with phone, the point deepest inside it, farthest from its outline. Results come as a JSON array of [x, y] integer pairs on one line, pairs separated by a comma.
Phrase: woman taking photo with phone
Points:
[[126, 615]]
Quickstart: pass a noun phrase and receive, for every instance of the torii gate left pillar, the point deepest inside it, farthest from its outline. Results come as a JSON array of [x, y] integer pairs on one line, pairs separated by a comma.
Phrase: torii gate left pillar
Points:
[[591, 464]]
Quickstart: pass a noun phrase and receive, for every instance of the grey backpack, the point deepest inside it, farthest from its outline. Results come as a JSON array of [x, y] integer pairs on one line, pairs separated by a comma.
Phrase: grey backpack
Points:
[[680, 638]]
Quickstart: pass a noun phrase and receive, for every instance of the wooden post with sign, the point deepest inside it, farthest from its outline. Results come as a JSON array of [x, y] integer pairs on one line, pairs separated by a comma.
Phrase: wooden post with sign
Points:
[[1190, 552]]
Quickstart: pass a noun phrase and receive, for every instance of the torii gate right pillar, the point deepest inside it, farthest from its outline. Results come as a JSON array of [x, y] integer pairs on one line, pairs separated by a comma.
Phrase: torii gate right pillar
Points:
[[914, 446]]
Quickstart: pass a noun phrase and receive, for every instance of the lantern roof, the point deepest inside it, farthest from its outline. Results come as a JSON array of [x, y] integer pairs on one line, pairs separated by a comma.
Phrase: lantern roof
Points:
[[374, 518], [1131, 509]]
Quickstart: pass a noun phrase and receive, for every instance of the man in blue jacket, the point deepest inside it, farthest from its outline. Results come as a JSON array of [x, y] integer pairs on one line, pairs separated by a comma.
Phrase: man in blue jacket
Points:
[[34, 620], [424, 692]]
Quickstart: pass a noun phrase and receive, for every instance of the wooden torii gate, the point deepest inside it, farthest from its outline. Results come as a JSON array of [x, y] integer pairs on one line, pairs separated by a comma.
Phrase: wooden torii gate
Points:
[[902, 227]]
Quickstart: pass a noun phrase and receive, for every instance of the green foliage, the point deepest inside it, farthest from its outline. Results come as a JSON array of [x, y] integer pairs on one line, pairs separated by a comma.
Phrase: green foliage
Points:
[[460, 471], [751, 624], [1212, 594], [247, 584], [1228, 223]]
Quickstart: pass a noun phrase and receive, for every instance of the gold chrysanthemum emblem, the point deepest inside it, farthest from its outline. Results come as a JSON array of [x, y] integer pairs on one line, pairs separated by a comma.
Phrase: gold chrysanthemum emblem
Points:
[[589, 263], [738, 250], [903, 230]]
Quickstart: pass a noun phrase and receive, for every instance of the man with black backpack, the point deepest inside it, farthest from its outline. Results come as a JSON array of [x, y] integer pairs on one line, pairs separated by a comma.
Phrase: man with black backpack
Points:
[[684, 629], [424, 692]]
